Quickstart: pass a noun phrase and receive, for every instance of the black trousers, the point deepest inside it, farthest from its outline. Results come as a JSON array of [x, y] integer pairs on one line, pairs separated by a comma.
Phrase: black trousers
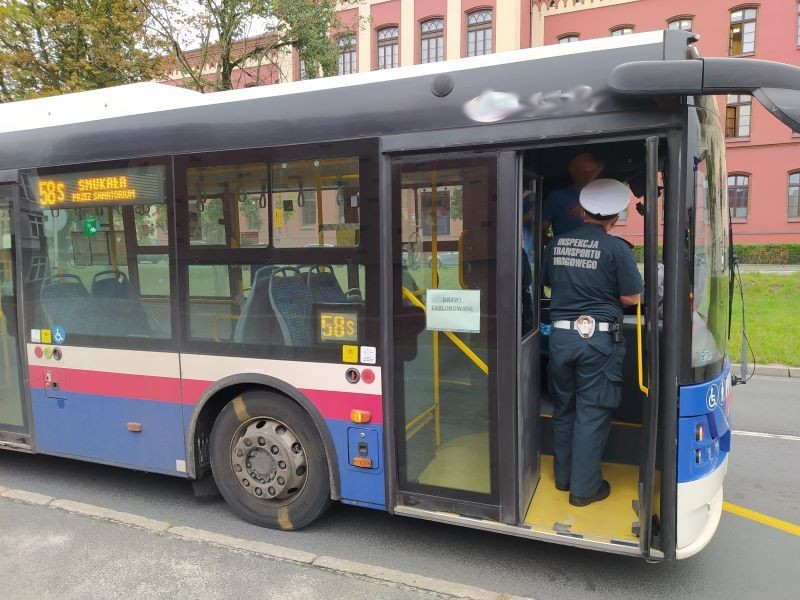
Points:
[[586, 387]]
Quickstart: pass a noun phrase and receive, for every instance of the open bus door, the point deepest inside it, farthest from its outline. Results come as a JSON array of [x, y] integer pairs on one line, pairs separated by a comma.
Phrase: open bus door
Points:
[[445, 391], [13, 408]]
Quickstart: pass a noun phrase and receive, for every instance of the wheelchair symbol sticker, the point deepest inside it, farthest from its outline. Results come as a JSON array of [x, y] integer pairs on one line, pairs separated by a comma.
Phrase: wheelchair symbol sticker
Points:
[[59, 335], [712, 397]]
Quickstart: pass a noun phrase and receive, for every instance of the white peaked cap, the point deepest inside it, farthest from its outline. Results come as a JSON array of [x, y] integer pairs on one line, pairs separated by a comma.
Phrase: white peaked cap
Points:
[[605, 197]]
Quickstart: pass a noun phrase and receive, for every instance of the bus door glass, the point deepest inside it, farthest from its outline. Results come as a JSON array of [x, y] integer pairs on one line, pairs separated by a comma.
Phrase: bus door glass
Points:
[[445, 338], [12, 414]]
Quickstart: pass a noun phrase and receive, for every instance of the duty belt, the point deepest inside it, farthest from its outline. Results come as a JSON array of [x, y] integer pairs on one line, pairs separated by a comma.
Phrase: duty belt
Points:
[[586, 326]]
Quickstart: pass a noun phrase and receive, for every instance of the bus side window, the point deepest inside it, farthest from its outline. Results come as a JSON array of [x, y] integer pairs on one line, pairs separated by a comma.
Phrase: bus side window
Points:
[[101, 266], [228, 205], [316, 203], [276, 305]]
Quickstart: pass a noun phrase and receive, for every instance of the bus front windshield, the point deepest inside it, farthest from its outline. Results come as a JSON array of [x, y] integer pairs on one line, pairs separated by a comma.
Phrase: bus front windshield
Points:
[[709, 300]]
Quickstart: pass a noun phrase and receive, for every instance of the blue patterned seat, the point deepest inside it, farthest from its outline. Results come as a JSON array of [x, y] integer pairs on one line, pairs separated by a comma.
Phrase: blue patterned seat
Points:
[[257, 323], [67, 303], [324, 286], [290, 298], [120, 304]]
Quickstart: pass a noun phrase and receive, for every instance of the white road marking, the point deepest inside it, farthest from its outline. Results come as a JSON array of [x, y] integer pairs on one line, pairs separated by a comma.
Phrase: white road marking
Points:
[[771, 436]]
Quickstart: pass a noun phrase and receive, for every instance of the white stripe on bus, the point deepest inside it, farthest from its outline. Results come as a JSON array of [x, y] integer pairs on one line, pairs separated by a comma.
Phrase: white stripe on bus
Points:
[[201, 367]]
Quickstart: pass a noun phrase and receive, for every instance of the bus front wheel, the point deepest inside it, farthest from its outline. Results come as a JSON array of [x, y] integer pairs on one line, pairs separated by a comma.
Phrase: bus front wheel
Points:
[[269, 462]]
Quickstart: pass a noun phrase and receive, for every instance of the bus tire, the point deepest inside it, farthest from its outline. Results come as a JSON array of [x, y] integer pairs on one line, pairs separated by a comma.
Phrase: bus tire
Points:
[[268, 461]]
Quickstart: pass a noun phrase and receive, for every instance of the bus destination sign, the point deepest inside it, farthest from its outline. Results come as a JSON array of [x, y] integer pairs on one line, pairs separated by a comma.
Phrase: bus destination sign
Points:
[[134, 185]]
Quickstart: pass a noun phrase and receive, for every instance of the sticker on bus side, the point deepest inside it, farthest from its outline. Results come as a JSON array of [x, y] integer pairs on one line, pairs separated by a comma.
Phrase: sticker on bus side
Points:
[[350, 354], [369, 355]]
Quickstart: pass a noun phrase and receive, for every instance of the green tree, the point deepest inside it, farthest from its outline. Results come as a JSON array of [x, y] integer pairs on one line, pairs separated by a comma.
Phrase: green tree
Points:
[[52, 47], [208, 40]]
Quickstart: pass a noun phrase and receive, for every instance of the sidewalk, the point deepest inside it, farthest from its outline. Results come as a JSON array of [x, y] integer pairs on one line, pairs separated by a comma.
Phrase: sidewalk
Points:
[[768, 370], [775, 269], [58, 548], [47, 553]]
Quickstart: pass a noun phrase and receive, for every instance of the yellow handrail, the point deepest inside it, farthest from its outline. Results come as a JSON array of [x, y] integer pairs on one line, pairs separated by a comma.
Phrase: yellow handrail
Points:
[[451, 336], [215, 325], [640, 353]]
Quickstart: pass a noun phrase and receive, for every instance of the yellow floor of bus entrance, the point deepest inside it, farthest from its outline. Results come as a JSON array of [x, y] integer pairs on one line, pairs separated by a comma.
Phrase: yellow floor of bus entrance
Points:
[[611, 519], [462, 464]]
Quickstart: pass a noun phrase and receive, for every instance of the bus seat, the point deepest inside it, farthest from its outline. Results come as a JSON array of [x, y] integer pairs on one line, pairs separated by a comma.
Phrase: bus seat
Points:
[[120, 303], [257, 322], [324, 286], [67, 303], [290, 298]]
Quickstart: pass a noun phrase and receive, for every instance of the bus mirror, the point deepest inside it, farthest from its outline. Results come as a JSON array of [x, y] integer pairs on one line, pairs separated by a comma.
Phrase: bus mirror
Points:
[[783, 103]]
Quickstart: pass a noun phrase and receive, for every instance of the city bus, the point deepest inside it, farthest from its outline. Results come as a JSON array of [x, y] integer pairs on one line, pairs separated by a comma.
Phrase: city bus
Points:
[[311, 292]]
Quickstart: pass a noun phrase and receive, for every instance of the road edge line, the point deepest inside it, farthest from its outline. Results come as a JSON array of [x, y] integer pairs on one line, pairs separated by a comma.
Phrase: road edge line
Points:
[[327, 563], [752, 515]]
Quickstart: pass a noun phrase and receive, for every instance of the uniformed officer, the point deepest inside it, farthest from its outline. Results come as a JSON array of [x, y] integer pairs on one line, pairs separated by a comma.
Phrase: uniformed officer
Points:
[[592, 275]]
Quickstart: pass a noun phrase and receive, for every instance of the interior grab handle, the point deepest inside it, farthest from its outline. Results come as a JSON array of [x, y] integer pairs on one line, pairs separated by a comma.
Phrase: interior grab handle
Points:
[[639, 349]]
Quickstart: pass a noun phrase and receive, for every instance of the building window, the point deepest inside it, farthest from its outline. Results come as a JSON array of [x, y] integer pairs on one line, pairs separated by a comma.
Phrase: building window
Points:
[[309, 208], [568, 38], [388, 56], [622, 30], [798, 23], [347, 55], [303, 72], [742, 36], [738, 194], [794, 195], [479, 33], [432, 41], [737, 116], [680, 23]]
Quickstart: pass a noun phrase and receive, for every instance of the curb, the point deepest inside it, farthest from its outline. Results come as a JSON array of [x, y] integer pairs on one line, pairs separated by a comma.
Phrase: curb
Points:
[[771, 370], [328, 563]]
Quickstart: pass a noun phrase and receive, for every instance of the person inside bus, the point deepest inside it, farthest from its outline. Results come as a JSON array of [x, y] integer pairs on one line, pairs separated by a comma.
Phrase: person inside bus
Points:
[[526, 258], [593, 275], [561, 208]]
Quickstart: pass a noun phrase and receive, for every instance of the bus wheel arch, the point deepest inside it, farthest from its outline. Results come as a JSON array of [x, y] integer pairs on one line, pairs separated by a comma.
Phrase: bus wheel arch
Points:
[[224, 391]]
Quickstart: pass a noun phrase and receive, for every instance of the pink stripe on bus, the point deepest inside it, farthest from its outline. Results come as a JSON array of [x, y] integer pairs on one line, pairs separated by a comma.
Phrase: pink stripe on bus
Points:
[[331, 405], [102, 383]]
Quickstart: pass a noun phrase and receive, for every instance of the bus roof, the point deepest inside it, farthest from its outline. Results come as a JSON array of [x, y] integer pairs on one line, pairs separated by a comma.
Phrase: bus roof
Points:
[[151, 97], [551, 91]]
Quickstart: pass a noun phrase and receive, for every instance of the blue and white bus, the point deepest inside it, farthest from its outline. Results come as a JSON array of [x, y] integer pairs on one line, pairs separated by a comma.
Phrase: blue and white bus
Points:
[[311, 292]]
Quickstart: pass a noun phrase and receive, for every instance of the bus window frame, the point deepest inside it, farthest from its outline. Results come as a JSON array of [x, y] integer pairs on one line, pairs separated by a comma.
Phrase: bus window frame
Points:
[[368, 154], [688, 374], [168, 343]]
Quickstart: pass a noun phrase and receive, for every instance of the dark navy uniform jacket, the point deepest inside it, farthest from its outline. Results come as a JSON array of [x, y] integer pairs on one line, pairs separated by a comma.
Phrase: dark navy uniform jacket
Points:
[[588, 270]]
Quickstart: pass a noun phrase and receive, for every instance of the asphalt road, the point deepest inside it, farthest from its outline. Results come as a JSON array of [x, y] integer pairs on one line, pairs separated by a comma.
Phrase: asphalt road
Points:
[[745, 559]]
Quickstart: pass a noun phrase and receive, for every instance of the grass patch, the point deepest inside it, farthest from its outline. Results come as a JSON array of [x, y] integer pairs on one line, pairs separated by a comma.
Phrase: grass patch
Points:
[[773, 318]]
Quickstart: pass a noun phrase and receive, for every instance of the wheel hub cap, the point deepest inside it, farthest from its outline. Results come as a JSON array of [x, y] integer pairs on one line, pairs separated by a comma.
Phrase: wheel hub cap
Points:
[[268, 459]]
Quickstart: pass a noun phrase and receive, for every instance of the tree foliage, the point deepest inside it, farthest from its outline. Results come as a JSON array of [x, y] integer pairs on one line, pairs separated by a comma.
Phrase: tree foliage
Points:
[[209, 40], [50, 47]]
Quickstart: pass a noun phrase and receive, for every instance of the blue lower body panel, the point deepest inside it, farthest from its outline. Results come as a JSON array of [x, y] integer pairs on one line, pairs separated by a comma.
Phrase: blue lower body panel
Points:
[[96, 428]]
